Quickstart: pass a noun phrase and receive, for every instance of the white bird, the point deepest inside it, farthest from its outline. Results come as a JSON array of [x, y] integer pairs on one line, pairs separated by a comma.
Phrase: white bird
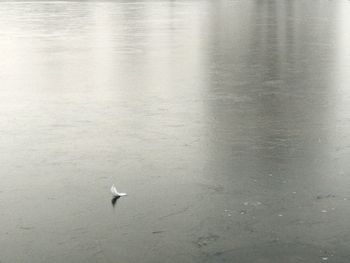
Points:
[[115, 192]]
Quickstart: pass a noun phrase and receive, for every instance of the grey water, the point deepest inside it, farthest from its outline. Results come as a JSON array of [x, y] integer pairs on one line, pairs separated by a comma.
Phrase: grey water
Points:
[[226, 122]]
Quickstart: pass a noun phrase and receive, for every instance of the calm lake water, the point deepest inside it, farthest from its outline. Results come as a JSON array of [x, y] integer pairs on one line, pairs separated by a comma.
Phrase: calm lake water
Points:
[[226, 122]]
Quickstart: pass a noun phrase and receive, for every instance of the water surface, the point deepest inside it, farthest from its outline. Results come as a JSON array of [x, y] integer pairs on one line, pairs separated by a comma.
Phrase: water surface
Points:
[[226, 122]]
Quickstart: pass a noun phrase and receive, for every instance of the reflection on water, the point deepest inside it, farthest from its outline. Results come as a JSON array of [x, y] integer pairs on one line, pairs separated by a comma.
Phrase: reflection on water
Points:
[[115, 200], [199, 109]]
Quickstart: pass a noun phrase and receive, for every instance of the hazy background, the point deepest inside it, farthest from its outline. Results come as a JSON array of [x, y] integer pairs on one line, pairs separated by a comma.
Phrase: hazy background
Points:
[[226, 122]]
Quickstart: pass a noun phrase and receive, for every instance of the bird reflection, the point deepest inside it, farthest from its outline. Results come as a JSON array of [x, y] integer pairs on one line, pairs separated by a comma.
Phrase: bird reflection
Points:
[[114, 200]]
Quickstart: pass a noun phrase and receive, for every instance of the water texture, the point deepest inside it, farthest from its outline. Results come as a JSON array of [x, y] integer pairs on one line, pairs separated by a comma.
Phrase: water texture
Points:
[[226, 122]]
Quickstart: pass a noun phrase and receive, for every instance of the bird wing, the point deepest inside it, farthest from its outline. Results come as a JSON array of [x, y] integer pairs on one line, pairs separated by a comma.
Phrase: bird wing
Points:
[[115, 192]]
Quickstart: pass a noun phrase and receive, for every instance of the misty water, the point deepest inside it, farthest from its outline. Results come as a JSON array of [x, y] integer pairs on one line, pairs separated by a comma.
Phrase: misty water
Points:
[[227, 123]]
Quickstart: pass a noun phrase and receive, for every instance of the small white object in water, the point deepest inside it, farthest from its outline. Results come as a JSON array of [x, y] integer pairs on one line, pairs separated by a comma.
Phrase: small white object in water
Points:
[[325, 258], [115, 192], [280, 215], [324, 211]]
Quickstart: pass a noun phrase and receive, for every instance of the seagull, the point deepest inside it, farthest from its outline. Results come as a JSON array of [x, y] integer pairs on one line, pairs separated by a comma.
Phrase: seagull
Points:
[[115, 192]]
